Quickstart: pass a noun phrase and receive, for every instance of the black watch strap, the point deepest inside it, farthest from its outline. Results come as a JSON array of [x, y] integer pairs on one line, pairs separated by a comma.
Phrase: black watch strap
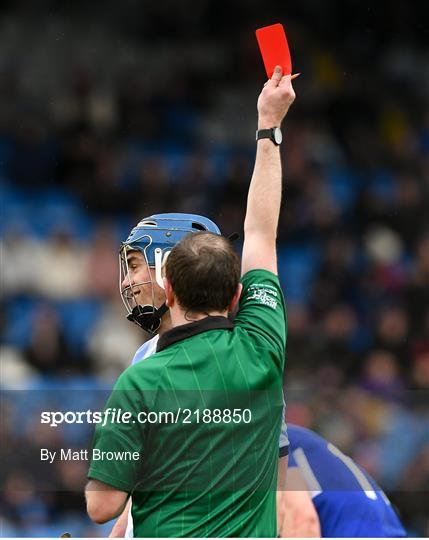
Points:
[[274, 134], [264, 134]]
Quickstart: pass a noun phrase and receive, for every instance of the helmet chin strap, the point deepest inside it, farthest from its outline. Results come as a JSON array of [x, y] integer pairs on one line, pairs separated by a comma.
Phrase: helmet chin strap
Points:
[[148, 317]]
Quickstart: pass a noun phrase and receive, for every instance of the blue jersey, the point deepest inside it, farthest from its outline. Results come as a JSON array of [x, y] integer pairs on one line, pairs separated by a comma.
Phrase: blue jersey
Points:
[[348, 501], [147, 349]]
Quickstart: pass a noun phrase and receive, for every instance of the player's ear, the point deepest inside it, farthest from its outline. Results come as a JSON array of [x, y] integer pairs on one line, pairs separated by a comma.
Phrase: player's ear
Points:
[[235, 298], [169, 295]]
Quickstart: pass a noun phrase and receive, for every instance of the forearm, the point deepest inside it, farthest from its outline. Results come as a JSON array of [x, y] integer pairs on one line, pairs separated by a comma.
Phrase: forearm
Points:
[[120, 527], [298, 524], [264, 198], [263, 201], [299, 515], [281, 487]]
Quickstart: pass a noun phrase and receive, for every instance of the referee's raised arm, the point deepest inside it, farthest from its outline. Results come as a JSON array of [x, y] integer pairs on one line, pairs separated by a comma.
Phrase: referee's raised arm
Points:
[[263, 202]]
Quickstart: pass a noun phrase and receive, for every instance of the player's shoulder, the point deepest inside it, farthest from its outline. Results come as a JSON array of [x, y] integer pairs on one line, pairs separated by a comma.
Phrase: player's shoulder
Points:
[[147, 349], [141, 374], [153, 360], [302, 437]]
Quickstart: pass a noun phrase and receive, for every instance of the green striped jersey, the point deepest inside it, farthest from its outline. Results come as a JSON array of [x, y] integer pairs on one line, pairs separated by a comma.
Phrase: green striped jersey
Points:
[[204, 423]]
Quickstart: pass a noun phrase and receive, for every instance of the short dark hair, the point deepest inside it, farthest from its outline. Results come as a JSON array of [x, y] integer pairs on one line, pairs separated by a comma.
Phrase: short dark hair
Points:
[[204, 271]]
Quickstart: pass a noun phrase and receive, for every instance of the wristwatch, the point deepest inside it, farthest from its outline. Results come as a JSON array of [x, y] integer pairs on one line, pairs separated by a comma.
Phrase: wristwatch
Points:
[[274, 134]]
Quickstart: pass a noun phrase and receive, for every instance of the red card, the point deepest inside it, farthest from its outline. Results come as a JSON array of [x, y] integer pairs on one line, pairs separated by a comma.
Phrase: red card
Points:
[[274, 48]]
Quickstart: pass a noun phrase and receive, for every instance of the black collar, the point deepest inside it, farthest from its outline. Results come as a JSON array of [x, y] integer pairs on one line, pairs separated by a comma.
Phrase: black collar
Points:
[[184, 331]]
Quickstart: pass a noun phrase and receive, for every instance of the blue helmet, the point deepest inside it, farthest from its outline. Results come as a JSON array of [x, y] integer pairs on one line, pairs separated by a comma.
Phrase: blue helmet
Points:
[[155, 236], [164, 231]]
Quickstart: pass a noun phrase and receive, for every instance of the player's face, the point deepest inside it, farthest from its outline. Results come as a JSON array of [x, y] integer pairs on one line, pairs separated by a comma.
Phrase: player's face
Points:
[[142, 282]]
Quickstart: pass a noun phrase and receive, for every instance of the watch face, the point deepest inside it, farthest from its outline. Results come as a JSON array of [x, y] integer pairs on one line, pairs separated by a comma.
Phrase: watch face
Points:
[[278, 135]]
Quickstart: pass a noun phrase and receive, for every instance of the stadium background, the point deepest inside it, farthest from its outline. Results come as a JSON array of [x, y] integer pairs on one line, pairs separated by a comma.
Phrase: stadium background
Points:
[[110, 112]]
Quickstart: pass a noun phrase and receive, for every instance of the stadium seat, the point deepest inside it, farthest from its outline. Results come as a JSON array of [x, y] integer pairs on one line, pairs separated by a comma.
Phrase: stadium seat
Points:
[[343, 186], [297, 267], [77, 319]]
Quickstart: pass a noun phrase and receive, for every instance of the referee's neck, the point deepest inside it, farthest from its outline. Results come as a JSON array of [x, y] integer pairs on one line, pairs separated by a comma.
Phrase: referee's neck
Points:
[[165, 323], [180, 316]]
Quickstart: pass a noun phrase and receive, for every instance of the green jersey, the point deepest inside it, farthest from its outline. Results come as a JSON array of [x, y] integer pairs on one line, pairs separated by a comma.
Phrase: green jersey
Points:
[[199, 451]]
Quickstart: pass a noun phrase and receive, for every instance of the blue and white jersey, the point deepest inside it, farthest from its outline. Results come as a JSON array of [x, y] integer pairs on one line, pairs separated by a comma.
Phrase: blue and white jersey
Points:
[[147, 349], [348, 501]]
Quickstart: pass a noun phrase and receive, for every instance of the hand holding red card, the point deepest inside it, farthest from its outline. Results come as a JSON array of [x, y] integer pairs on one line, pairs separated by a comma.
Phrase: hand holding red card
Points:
[[274, 48]]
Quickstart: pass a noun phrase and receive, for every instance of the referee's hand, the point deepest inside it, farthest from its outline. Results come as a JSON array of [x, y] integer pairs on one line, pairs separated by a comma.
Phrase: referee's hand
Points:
[[275, 99]]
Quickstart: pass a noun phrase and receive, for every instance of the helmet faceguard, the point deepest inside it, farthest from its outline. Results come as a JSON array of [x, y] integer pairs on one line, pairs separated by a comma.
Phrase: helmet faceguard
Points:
[[147, 316], [154, 237]]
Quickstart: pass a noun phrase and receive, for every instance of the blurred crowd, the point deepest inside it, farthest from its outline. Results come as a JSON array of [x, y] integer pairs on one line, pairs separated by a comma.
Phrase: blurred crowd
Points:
[[103, 122]]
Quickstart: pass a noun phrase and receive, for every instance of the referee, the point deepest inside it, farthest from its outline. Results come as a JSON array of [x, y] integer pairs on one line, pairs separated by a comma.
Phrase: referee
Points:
[[206, 462]]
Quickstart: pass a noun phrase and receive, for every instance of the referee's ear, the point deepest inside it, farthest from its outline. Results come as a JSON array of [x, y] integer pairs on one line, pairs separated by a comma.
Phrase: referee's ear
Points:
[[169, 294], [235, 298]]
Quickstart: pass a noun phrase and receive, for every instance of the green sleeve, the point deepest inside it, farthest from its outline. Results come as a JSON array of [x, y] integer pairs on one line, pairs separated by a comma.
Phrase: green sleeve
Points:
[[124, 438], [261, 311]]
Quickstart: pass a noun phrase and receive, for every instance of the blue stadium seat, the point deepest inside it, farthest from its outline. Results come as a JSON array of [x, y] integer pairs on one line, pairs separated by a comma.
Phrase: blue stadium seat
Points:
[[46, 393], [219, 157], [298, 266], [179, 122], [56, 217], [78, 318], [58, 209], [343, 186], [424, 140], [9, 193], [6, 152], [382, 185], [19, 319], [17, 215], [175, 160], [39, 213]]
